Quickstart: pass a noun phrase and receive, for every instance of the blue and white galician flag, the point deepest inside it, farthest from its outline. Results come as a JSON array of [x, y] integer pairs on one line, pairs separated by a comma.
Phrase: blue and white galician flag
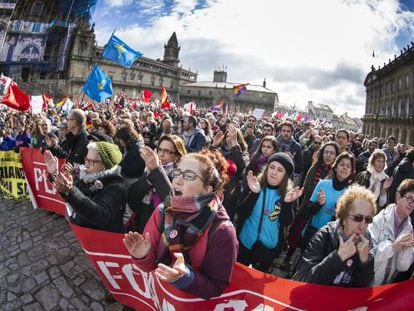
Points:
[[98, 86], [119, 52]]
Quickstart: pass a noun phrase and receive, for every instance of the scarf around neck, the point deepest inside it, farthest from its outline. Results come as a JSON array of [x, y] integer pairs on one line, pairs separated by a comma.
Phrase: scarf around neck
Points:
[[284, 145], [88, 178], [185, 220]]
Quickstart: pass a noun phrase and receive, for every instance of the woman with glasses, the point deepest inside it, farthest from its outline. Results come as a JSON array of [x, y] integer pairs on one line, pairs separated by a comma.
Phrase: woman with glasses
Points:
[[320, 209], [374, 177], [339, 253], [265, 211], [97, 199], [392, 236], [149, 191], [189, 240]]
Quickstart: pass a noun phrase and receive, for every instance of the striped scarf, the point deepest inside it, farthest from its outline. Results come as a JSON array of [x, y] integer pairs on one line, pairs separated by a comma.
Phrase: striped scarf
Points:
[[185, 220]]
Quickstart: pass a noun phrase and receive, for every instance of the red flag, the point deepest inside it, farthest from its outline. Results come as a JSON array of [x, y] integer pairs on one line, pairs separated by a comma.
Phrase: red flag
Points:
[[146, 96], [166, 105], [16, 98]]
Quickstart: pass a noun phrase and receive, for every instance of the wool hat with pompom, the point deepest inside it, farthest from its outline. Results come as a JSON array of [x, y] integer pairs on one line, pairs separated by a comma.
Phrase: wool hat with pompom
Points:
[[109, 153]]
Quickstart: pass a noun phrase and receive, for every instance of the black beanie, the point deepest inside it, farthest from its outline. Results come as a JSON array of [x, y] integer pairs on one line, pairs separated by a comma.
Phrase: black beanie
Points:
[[285, 160]]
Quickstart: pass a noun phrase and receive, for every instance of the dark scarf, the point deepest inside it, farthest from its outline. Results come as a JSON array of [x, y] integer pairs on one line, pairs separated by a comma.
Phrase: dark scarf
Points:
[[185, 219], [284, 145], [339, 185], [262, 161]]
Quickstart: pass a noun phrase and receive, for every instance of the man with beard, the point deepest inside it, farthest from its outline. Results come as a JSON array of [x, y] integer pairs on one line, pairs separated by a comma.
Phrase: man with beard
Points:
[[194, 138]]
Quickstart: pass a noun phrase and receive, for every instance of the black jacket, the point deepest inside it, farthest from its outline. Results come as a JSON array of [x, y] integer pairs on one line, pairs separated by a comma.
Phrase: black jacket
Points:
[[320, 264], [99, 205], [73, 149], [132, 164], [139, 195], [403, 170]]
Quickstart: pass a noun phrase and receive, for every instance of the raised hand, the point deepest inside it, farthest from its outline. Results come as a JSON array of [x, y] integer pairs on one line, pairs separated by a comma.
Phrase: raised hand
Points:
[[217, 139], [137, 245], [174, 273], [231, 136], [253, 182], [63, 182], [387, 183], [52, 163], [293, 194], [346, 249], [321, 197], [150, 157], [363, 249], [404, 241], [51, 141], [69, 168]]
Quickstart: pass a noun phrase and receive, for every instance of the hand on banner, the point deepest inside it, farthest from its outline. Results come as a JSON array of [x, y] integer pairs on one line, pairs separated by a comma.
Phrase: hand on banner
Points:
[[174, 273], [136, 244], [63, 182], [51, 162], [150, 157]]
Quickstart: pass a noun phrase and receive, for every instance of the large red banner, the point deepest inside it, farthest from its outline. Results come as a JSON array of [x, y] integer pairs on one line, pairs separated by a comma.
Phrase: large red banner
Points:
[[41, 191], [249, 289]]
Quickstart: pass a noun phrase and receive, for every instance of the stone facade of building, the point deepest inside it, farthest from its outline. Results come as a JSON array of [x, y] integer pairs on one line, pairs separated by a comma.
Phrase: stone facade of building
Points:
[[206, 94], [389, 106], [47, 50]]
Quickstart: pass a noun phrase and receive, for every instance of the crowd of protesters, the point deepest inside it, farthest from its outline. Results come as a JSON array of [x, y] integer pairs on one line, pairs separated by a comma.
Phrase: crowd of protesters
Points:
[[195, 192]]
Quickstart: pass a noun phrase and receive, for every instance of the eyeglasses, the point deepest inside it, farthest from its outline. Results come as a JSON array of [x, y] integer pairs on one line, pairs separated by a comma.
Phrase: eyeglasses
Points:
[[161, 151], [187, 174], [361, 218], [92, 162], [409, 199]]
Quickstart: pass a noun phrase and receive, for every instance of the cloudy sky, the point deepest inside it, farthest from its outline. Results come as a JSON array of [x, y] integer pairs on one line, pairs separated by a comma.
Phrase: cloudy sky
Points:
[[319, 50]]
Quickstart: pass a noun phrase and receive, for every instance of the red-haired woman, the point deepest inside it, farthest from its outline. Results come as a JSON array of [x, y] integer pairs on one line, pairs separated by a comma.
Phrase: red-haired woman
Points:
[[189, 240]]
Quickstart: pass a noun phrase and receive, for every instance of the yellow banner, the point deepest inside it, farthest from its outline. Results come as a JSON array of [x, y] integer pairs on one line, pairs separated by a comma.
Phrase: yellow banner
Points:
[[12, 181]]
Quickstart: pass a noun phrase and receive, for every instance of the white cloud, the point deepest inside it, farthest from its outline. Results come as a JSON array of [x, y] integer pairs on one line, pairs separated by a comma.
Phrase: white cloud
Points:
[[118, 3], [316, 50]]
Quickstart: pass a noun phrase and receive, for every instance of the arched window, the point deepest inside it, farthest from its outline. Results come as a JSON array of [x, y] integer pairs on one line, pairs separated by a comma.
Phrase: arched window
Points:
[[30, 52]]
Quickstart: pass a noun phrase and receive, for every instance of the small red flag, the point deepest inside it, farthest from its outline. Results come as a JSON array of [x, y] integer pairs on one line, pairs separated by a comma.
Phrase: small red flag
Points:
[[16, 98]]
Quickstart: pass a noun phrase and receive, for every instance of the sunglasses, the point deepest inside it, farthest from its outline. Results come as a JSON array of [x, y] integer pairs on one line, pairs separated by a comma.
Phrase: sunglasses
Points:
[[361, 218], [187, 174]]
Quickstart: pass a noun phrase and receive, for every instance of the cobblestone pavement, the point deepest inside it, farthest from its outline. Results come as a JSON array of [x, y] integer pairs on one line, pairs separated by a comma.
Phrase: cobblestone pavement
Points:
[[42, 266]]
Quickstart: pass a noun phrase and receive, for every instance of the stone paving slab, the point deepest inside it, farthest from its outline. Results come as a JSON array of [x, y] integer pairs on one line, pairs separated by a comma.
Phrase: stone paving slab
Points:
[[42, 266]]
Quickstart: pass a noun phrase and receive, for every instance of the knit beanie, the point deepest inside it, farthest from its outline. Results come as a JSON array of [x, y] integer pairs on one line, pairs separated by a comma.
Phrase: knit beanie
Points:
[[109, 153], [283, 159]]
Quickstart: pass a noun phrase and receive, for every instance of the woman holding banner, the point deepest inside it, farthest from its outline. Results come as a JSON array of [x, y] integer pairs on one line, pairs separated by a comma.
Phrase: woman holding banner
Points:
[[339, 253], [97, 199], [189, 240]]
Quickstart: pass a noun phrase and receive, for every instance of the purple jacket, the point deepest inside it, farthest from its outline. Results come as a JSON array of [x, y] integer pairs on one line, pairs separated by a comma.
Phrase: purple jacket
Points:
[[212, 257]]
